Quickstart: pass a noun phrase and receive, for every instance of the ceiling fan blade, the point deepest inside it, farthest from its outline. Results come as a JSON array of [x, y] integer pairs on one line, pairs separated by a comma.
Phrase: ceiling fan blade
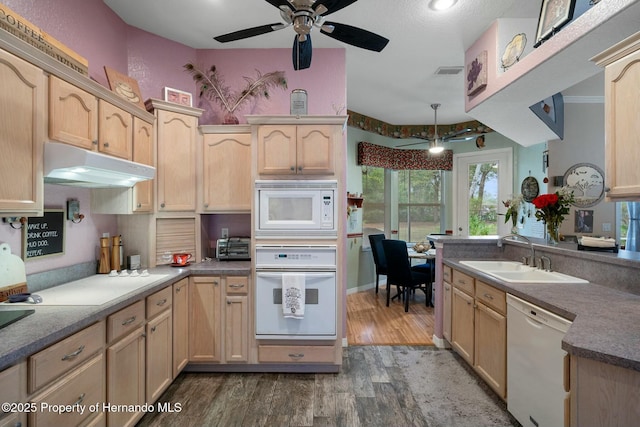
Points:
[[354, 36], [330, 6], [249, 32], [282, 3], [301, 53], [411, 144]]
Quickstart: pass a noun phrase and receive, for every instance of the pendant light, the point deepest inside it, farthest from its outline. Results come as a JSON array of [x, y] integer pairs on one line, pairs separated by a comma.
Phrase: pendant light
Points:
[[436, 147]]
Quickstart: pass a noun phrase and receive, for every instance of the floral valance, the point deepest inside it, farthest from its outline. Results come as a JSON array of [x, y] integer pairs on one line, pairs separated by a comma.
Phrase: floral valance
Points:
[[398, 159]]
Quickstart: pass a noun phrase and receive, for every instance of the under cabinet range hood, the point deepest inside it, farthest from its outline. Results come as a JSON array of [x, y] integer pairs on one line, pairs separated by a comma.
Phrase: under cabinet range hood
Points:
[[69, 165]]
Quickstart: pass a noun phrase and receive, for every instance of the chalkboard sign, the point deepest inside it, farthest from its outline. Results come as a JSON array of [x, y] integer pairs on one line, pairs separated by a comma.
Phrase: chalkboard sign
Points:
[[44, 235]]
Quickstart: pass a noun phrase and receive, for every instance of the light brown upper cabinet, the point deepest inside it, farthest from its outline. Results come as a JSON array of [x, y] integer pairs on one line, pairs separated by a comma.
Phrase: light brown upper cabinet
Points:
[[115, 130], [22, 134], [226, 179], [73, 114], [621, 106], [296, 149], [143, 153]]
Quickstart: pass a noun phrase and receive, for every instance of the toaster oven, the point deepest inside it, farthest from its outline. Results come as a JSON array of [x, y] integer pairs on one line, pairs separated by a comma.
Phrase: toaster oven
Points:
[[233, 248]]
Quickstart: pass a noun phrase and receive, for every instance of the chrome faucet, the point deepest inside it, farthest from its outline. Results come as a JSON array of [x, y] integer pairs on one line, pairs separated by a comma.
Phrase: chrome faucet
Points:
[[542, 262], [532, 259]]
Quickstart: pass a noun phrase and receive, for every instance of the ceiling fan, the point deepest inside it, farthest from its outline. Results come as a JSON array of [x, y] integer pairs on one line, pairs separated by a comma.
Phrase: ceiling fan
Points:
[[304, 15], [435, 145]]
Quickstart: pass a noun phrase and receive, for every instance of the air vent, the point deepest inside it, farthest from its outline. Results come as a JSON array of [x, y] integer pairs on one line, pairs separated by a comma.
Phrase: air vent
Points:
[[448, 71]]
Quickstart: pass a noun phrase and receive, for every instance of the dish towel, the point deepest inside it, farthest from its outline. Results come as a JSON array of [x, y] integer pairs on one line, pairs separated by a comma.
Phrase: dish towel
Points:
[[598, 242], [293, 295]]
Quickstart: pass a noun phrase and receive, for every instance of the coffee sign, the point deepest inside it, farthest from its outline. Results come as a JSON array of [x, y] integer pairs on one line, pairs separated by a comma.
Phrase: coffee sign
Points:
[[44, 235]]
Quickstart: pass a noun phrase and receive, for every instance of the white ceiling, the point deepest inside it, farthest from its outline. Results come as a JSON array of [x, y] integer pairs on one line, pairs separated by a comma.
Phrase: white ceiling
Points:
[[401, 76]]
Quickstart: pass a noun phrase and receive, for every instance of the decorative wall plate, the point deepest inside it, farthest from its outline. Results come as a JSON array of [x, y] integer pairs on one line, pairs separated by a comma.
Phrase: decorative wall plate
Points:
[[529, 189], [586, 180], [513, 50]]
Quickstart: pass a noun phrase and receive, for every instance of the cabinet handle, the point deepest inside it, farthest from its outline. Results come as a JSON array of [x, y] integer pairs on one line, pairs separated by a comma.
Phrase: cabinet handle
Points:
[[162, 205], [153, 329], [296, 355], [488, 296], [228, 302], [178, 290], [139, 205], [237, 285], [80, 399], [292, 168], [106, 144], [461, 282], [215, 283], [129, 321], [607, 189], [300, 168], [74, 354], [206, 205], [161, 302], [94, 142]]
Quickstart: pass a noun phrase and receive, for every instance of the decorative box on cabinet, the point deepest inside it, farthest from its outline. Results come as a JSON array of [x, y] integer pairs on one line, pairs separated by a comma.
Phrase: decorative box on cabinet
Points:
[[621, 106], [226, 174], [176, 155], [22, 103]]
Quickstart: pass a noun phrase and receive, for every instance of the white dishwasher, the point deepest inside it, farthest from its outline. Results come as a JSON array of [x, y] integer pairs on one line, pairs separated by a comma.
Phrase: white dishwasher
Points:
[[535, 364]]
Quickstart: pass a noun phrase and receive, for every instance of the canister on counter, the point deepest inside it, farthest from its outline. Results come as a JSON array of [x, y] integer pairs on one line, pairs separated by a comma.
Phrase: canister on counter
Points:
[[298, 102]]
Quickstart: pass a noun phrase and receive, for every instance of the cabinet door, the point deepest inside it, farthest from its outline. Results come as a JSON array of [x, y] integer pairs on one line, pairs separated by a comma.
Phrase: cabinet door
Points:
[[125, 377], [22, 134], [622, 152], [277, 150], [227, 173], [115, 130], [176, 168], [73, 114], [315, 147], [236, 328], [446, 327], [491, 348], [143, 153], [180, 326], [462, 334], [204, 319], [159, 359]]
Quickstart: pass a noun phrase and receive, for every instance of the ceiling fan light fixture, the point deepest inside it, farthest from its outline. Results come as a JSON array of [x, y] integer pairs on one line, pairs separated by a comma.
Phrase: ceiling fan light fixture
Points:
[[441, 4], [436, 148]]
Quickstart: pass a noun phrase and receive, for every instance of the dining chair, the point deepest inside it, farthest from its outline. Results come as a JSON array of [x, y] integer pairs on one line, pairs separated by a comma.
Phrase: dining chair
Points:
[[378, 256], [401, 274]]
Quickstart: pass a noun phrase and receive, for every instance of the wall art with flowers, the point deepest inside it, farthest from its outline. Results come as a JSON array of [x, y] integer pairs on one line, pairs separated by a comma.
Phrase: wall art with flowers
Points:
[[477, 74]]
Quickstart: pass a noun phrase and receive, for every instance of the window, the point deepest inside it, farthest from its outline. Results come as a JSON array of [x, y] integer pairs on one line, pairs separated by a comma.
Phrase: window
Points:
[[419, 204], [373, 194]]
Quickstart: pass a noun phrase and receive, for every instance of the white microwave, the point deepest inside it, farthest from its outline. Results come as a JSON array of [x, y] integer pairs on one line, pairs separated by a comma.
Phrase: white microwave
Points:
[[295, 208]]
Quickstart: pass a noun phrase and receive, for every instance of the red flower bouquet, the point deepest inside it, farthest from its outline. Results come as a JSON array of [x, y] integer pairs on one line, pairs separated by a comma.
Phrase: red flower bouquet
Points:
[[552, 208]]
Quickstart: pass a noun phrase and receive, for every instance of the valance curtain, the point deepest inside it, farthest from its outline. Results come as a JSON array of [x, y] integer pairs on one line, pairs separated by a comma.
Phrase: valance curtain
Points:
[[398, 159], [633, 232]]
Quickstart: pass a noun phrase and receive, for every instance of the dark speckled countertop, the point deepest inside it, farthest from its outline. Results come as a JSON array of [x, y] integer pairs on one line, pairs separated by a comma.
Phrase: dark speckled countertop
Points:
[[606, 321], [50, 324]]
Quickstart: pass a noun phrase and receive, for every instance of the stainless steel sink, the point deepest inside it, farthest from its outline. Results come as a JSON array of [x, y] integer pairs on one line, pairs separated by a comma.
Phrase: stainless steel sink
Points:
[[515, 272]]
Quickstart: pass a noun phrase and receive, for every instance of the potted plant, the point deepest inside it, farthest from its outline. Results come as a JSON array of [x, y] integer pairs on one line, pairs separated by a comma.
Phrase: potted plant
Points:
[[213, 88]]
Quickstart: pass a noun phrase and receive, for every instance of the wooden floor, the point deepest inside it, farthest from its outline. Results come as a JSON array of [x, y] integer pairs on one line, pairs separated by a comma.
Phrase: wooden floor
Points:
[[370, 391], [371, 322]]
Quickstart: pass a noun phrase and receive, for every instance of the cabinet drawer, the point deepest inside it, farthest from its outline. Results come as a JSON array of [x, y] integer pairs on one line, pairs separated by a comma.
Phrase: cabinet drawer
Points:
[[83, 386], [446, 273], [59, 358], [494, 298], [159, 301], [237, 285], [296, 354], [462, 281], [125, 320]]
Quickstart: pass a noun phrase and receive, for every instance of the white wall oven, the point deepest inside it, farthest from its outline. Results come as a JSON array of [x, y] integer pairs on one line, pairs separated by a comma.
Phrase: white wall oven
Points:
[[295, 208], [315, 268]]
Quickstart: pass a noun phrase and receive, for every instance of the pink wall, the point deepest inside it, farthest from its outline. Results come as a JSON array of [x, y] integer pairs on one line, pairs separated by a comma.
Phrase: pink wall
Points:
[[93, 30]]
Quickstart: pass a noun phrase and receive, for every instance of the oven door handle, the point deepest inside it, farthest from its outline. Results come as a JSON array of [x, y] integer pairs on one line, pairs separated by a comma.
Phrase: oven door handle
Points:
[[314, 274]]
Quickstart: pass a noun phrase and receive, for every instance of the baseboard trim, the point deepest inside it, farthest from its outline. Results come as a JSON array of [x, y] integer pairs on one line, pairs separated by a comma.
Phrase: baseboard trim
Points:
[[366, 287], [440, 342], [345, 343]]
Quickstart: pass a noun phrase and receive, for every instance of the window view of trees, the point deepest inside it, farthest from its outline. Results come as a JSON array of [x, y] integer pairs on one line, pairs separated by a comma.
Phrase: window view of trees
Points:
[[419, 202], [483, 199]]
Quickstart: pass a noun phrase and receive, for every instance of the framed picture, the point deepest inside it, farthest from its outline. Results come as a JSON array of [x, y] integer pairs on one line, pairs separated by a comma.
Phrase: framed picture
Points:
[[553, 15], [477, 74], [583, 221], [551, 112], [124, 86], [586, 180], [178, 96]]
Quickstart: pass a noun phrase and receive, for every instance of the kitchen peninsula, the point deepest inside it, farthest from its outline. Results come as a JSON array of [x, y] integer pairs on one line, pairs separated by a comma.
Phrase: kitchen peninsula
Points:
[[603, 341]]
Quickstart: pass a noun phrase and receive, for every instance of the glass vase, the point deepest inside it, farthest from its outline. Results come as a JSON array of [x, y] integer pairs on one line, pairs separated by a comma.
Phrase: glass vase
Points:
[[514, 224], [553, 232]]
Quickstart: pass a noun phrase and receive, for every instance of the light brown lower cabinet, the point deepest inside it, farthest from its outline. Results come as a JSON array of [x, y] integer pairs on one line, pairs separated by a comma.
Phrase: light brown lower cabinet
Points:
[[491, 348], [462, 334], [159, 362], [13, 389], [180, 326]]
